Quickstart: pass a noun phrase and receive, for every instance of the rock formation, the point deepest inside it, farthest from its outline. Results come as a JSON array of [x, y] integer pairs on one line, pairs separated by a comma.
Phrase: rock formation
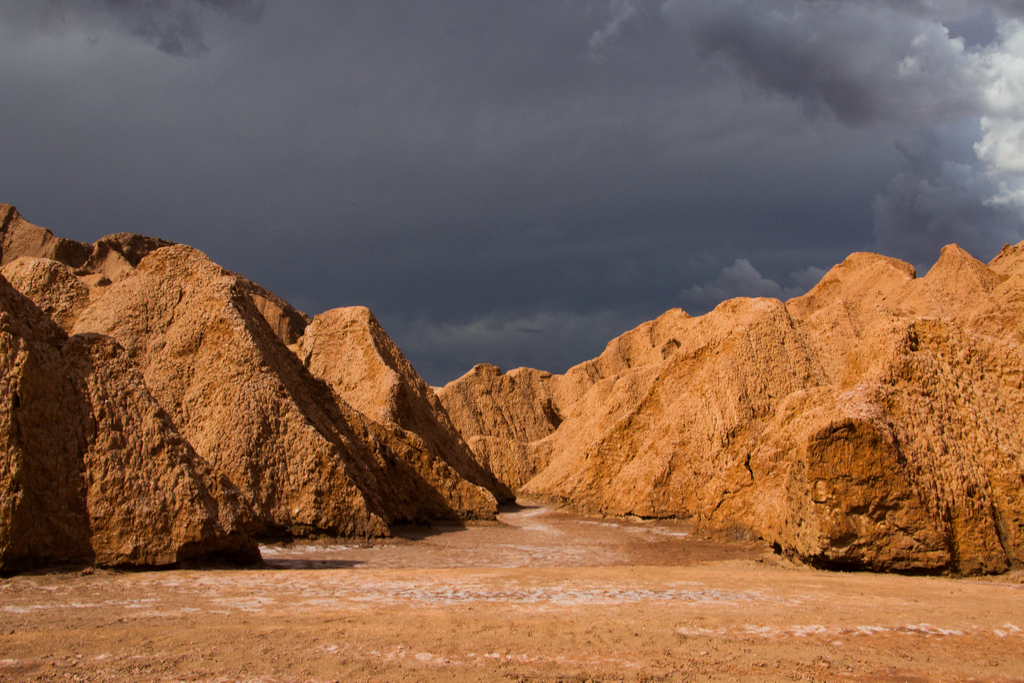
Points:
[[92, 469], [305, 460], [500, 415], [871, 423], [156, 407], [106, 261], [100, 264], [347, 348], [208, 351]]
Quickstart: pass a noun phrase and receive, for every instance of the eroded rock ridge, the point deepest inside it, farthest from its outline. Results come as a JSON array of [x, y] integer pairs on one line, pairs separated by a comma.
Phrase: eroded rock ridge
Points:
[[165, 396], [873, 423]]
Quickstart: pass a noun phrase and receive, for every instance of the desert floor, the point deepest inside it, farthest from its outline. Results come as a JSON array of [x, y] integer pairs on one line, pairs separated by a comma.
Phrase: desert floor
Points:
[[541, 596]]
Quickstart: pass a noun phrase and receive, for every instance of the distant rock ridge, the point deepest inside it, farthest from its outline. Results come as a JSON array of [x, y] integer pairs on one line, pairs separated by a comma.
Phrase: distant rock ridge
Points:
[[273, 448], [872, 423], [501, 415]]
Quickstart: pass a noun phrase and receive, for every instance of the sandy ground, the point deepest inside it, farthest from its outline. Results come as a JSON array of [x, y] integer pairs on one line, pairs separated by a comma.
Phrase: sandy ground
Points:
[[540, 597]]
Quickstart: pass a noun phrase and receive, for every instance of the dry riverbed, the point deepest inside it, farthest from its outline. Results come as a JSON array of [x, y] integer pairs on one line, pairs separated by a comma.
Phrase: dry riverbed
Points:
[[541, 596]]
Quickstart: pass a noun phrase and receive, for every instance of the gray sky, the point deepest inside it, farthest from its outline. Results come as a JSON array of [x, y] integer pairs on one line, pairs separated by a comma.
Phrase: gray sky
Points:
[[519, 182]]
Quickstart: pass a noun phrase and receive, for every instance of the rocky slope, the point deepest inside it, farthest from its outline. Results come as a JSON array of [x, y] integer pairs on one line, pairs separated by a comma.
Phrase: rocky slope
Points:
[[209, 351], [872, 423], [501, 415], [307, 461]]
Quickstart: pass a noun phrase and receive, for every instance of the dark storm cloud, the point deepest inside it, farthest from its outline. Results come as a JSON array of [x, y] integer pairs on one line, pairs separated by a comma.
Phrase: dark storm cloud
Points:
[[172, 26], [507, 182], [907, 64], [977, 30], [943, 196], [863, 62]]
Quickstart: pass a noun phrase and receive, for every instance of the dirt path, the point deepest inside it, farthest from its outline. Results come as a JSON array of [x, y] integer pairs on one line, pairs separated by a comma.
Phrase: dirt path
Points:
[[543, 597]]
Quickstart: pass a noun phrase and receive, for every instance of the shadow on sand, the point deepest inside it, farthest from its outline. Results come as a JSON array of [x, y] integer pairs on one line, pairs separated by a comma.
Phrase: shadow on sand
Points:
[[294, 563]]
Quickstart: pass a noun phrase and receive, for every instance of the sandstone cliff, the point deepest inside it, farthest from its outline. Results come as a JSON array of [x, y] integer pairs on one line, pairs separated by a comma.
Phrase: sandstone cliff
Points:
[[871, 423]]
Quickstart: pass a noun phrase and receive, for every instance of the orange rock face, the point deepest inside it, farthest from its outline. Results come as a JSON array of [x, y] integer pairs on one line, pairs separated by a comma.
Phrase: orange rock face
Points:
[[347, 348], [304, 458], [500, 415], [872, 423], [93, 471]]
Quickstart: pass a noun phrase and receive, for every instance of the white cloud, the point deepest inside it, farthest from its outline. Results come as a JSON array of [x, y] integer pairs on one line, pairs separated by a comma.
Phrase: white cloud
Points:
[[1002, 145], [1002, 67], [621, 11], [1002, 142], [1010, 194]]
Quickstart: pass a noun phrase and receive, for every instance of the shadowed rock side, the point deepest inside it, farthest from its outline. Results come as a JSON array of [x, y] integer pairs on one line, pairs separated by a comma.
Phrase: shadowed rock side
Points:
[[872, 423], [91, 469], [286, 322], [347, 348], [305, 460]]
